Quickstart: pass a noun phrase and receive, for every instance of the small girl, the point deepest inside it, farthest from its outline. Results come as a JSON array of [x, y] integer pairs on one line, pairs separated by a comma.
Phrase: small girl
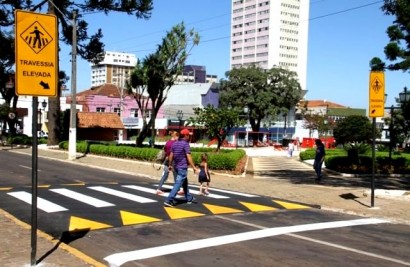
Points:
[[204, 178]]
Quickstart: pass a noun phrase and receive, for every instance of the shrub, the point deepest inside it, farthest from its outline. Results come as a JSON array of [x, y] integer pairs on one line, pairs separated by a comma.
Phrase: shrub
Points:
[[383, 165], [225, 159]]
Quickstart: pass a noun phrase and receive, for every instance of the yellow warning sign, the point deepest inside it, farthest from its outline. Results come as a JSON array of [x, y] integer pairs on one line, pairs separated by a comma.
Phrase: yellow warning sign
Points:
[[36, 54], [376, 94]]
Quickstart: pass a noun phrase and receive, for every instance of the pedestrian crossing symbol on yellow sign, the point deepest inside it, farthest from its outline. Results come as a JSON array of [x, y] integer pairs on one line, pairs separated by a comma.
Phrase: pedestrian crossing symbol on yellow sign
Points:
[[36, 37], [376, 94], [36, 54]]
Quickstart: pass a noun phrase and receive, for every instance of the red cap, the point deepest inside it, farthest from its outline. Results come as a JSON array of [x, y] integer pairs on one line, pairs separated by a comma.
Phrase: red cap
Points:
[[186, 132]]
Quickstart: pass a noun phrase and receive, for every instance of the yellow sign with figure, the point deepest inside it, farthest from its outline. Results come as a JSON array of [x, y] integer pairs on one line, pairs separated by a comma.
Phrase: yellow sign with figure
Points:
[[376, 94], [36, 54]]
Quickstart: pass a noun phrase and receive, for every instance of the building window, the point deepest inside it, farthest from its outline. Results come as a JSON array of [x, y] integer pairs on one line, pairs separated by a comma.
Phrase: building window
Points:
[[100, 109], [134, 112], [148, 114], [118, 111]]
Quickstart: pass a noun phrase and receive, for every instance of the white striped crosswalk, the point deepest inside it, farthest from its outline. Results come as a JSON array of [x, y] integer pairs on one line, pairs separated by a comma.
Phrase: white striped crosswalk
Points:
[[42, 204], [86, 196], [83, 198], [121, 194]]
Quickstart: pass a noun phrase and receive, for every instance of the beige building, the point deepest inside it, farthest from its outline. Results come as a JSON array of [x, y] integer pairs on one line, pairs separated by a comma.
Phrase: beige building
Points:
[[270, 33]]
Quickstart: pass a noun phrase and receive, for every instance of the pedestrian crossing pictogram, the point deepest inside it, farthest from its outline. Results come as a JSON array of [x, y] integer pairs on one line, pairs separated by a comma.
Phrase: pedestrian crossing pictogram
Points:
[[36, 37]]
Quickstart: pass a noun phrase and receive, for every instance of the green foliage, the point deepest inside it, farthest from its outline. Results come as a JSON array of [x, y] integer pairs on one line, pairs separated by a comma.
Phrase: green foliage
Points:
[[20, 139], [338, 160], [353, 129], [398, 49], [157, 72], [310, 153], [383, 165], [217, 121], [266, 93], [225, 159], [356, 149]]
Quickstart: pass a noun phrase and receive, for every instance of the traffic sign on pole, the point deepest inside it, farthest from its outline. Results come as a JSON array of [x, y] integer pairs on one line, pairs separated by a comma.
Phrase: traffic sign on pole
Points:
[[376, 94], [36, 54]]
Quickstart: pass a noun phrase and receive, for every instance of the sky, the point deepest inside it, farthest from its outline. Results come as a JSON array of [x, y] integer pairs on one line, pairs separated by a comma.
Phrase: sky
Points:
[[344, 35]]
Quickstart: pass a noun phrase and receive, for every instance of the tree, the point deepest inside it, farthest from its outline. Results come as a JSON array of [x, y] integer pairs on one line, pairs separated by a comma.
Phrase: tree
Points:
[[88, 47], [322, 123], [266, 93], [352, 129], [152, 78], [217, 121], [397, 52]]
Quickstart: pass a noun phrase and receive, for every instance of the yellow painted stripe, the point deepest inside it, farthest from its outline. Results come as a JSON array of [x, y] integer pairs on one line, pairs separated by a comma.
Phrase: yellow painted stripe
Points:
[[129, 218], [291, 206], [175, 213], [44, 186], [257, 207], [77, 223], [5, 188], [74, 184], [221, 209], [54, 241]]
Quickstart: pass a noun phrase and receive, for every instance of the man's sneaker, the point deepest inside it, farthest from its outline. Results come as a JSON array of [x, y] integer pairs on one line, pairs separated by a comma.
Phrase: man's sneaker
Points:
[[169, 204], [191, 200]]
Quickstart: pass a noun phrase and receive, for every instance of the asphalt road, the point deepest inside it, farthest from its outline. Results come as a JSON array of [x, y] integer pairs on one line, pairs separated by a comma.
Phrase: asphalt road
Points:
[[118, 220]]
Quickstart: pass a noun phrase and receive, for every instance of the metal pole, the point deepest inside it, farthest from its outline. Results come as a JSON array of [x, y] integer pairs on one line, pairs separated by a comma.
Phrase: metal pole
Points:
[[34, 183], [373, 161], [72, 138]]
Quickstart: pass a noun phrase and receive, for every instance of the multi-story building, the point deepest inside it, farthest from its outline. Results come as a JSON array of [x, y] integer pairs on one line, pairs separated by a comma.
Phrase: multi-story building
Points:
[[270, 33], [115, 69], [195, 74]]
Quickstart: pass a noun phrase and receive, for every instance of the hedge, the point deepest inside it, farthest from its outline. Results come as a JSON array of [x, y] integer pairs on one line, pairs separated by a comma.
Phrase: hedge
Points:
[[225, 159]]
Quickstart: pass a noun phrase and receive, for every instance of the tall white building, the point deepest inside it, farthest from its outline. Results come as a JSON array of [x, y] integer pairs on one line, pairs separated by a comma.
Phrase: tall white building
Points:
[[270, 33], [115, 68]]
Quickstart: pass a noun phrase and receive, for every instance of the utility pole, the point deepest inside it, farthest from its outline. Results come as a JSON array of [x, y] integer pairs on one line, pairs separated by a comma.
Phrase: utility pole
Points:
[[72, 138], [121, 85]]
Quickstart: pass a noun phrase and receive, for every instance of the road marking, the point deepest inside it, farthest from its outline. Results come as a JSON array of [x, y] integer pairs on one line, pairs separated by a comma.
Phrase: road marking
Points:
[[42, 204], [141, 188], [196, 192], [121, 194], [82, 198], [118, 259], [229, 192], [25, 167], [149, 190], [350, 249]]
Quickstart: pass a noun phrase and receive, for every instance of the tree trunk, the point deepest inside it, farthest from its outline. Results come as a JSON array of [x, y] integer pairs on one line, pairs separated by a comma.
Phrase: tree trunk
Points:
[[53, 115]]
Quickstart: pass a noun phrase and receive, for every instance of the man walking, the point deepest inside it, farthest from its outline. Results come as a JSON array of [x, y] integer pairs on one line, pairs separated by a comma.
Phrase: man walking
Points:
[[179, 158]]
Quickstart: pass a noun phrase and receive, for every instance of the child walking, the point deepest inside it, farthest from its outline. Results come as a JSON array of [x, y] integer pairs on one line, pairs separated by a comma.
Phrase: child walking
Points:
[[204, 178]]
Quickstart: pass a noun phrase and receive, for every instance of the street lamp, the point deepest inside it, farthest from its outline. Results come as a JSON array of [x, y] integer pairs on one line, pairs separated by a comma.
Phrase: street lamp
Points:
[[180, 115], [43, 105], [285, 117], [404, 96], [391, 128], [246, 111]]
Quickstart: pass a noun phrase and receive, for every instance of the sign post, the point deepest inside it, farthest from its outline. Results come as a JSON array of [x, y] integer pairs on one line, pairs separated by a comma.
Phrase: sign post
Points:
[[36, 75], [376, 109]]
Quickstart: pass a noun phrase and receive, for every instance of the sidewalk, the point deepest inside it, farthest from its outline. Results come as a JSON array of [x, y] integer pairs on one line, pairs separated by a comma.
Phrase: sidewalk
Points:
[[291, 180]]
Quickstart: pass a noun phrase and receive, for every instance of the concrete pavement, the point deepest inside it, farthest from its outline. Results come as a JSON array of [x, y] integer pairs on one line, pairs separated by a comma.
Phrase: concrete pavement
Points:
[[269, 173]]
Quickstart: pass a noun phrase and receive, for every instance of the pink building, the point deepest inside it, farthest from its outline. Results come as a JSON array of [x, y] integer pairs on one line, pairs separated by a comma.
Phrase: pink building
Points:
[[108, 98]]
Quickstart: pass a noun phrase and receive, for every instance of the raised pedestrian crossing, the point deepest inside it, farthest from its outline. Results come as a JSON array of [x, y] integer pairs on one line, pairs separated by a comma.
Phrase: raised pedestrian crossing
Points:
[[95, 207]]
